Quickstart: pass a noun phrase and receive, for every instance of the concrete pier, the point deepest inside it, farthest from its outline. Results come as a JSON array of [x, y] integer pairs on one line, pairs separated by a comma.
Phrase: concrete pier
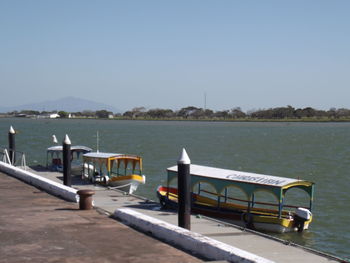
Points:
[[38, 227], [268, 249]]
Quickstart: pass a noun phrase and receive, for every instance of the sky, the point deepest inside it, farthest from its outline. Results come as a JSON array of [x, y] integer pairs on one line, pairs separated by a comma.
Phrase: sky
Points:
[[172, 54]]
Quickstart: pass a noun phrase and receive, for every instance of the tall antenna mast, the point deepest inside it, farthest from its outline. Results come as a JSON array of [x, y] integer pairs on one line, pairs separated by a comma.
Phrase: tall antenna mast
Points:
[[97, 142], [205, 101]]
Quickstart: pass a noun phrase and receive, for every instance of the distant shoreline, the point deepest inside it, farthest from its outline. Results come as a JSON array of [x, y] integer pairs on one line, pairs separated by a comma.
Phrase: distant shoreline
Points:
[[237, 120], [291, 120], [191, 113]]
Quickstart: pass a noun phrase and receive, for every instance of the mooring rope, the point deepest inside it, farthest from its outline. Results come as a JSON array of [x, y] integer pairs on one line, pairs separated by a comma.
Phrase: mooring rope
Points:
[[112, 187], [116, 187]]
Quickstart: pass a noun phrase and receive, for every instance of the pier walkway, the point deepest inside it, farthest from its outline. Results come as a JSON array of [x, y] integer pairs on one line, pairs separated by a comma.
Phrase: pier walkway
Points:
[[38, 227], [110, 200]]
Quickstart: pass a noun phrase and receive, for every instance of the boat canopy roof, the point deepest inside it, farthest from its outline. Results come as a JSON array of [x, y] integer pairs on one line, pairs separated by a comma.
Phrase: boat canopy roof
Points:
[[249, 182], [76, 148], [109, 156], [108, 159], [101, 155]]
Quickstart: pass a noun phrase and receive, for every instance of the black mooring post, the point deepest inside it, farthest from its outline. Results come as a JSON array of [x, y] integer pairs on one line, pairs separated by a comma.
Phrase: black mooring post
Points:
[[12, 145], [184, 190], [66, 162]]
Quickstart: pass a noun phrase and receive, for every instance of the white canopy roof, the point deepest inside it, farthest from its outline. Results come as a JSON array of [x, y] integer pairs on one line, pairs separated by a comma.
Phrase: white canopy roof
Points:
[[59, 148], [237, 176], [101, 155]]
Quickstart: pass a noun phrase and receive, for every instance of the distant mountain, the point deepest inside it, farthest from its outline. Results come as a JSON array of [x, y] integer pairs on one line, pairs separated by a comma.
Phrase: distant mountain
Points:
[[69, 104]]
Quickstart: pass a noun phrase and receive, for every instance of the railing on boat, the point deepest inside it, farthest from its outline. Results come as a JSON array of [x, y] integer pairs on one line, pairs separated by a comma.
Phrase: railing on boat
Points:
[[246, 201]]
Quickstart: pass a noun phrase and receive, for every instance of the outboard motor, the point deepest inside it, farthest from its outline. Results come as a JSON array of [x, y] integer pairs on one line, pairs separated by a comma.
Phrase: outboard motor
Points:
[[301, 215], [105, 179]]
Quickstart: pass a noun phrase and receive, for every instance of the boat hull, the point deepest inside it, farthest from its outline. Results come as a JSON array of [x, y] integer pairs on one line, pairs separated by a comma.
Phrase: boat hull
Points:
[[76, 169], [128, 184], [235, 216]]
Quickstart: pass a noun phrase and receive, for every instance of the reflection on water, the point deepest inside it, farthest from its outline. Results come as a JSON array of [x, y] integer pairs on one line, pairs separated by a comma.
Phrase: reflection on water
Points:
[[318, 152], [305, 238]]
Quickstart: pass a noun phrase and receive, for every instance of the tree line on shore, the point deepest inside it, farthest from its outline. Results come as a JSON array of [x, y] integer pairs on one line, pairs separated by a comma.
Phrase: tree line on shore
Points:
[[195, 113], [192, 112]]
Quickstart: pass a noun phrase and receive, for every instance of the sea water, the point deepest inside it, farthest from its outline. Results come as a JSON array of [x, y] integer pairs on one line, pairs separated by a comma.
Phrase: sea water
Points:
[[319, 152]]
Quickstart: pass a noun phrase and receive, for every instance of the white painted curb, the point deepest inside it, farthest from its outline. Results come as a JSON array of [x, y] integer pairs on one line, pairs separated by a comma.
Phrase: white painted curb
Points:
[[188, 240], [66, 192]]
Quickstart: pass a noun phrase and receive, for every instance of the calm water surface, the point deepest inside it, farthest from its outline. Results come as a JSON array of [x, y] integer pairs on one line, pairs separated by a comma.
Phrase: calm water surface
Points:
[[319, 152]]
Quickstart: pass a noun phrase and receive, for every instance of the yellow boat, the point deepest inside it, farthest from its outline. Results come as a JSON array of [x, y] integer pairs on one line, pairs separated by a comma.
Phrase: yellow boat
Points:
[[232, 196], [121, 171]]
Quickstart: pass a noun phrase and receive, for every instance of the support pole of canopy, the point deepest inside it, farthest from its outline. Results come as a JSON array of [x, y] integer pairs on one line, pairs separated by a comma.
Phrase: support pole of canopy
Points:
[[311, 196], [280, 206]]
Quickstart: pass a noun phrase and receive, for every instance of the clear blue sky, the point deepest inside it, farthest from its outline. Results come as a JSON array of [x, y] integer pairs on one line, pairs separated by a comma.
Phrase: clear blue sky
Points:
[[167, 54]]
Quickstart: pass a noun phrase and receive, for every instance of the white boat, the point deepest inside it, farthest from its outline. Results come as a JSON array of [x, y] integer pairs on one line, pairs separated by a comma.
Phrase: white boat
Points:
[[233, 196], [121, 171], [54, 157]]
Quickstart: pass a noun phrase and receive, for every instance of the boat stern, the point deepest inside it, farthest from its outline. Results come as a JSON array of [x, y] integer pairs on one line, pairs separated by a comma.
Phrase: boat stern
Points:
[[128, 183]]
